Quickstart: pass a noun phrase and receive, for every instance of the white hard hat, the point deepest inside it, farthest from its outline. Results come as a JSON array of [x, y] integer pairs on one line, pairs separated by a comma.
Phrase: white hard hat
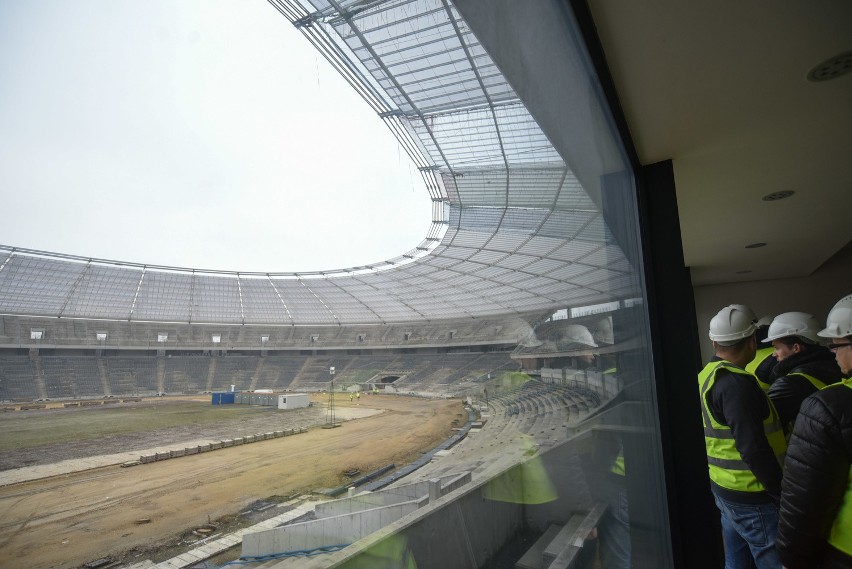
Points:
[[764, 321], [732, 324], [578, 334], [602, 331], [748, 311], [839, 321], [800, 324]]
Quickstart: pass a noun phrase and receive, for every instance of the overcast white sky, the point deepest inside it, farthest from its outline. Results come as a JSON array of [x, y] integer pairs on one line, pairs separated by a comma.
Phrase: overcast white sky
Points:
[[194, 133]]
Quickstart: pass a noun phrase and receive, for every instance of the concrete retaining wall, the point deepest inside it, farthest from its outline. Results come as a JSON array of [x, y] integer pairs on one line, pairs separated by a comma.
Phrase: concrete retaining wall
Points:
[[338, 530], [390, 496], [227, 443], [347, 520]]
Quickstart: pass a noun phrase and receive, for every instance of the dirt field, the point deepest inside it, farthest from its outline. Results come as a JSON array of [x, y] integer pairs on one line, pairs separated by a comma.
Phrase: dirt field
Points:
[[71, 519]]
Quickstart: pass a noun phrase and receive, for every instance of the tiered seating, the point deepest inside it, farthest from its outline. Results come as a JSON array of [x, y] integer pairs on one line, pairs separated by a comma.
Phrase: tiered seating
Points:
[[17, 379], [69, 377], [234, 370], [315, 373], [184, 374], [362, 368], [280, 371]]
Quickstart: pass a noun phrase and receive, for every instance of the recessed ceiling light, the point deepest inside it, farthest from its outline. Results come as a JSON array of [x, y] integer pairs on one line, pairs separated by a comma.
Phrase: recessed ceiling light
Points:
[[832, 68], [775, 196], [755, 245]]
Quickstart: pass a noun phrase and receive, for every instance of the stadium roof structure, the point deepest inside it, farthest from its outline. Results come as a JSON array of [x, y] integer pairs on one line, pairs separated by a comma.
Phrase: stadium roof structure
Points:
[[514, 229]]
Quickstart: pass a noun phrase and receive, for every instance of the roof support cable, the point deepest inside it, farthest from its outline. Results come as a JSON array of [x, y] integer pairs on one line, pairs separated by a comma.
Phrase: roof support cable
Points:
[[378, 60], [74, 288], [407, 140], [547, 216], [8, 258], [398, 297], [136, 296], [321, 301], [191, 294], [487, 96], [333, 53], [240, 294], [281, 298], [359, 301], [344, 65]]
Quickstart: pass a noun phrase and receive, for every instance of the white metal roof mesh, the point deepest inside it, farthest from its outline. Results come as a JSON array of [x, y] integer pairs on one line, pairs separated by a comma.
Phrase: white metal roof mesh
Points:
[[513, 229]]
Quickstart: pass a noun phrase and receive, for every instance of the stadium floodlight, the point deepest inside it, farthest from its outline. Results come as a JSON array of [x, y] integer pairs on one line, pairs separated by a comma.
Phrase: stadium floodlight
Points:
[[264, 339], [162, 337], [36, 334], [216, 338], [101, 336]]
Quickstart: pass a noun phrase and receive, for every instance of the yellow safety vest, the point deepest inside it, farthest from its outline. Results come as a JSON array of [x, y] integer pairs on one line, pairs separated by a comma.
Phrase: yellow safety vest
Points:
[[840, 536], [618, 465], [727, 468], [818, 383], [759, 358]]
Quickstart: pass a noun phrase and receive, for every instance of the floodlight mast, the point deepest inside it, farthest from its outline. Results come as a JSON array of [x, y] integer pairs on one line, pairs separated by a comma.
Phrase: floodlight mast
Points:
[[330, 419]]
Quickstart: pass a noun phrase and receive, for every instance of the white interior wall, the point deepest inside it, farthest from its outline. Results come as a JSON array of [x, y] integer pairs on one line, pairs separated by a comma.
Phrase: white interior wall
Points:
[[815, 294]]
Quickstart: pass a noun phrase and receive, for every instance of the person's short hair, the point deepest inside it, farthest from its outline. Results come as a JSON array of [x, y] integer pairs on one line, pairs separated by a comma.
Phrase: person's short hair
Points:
[[791, 341], [739, 344]]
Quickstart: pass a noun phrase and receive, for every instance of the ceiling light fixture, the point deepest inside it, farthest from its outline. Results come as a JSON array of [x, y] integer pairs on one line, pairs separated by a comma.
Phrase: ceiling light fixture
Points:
[[832, 68], [755, 245], [775, 196]]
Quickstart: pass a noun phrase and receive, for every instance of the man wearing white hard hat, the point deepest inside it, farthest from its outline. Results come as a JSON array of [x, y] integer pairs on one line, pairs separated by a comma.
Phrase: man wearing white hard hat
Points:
[[803, 366], [744, 441], [763, 362], [815, 526]]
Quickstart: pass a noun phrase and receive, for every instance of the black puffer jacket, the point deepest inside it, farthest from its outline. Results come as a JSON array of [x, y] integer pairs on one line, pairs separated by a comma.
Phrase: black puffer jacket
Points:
[[789, 390], [816, 475]]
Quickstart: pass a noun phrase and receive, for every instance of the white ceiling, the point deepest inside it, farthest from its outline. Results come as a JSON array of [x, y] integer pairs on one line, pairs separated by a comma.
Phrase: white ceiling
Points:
[[721, 89]]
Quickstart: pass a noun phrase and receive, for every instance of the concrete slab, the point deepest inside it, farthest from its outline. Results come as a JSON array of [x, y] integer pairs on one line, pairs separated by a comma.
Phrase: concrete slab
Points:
[[225, 542]]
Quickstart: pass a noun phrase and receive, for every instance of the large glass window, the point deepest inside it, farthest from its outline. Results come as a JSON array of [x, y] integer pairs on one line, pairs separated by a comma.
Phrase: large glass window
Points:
[[525, 302]]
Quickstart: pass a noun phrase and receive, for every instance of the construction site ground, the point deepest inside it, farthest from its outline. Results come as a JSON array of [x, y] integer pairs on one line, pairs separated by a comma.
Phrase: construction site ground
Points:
[[67, 500]]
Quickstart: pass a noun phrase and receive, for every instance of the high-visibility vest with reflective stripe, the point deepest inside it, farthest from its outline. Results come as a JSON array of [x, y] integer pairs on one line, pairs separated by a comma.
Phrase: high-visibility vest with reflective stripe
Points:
[[818, 383], [618, 465], [759, 358], [841, 531], [727, 468]]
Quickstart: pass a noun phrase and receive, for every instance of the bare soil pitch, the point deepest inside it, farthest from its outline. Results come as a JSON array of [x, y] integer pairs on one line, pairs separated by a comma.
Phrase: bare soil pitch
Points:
[[68, 520]]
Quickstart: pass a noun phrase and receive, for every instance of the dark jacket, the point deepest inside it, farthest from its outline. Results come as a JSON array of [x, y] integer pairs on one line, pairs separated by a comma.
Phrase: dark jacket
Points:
[[816, 474], [742, 405], [789, 390]]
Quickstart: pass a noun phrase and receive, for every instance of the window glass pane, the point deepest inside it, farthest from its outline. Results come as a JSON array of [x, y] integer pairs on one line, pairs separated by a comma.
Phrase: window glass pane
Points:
[[525, 301]]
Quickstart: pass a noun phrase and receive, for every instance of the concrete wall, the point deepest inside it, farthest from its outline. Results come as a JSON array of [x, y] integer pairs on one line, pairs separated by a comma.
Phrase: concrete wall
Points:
[[466, 528], [390, 496], [338, 530]]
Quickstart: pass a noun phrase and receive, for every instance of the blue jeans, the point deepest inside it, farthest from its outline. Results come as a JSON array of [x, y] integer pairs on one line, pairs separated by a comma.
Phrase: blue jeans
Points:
[[614, 533], [749, 532]]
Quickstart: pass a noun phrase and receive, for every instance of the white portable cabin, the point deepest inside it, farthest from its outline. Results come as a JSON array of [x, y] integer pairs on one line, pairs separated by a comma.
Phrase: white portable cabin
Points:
[[293, 401]]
